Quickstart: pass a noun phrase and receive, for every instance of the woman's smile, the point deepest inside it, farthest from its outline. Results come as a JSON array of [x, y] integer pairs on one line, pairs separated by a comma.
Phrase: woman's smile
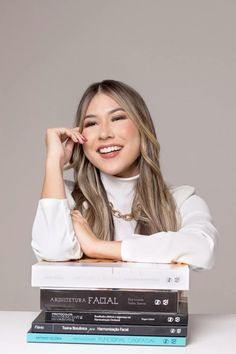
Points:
[[109, 151]]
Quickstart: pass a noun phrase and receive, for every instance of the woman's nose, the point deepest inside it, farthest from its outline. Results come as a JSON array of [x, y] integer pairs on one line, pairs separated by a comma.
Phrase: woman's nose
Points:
[[106, 131]]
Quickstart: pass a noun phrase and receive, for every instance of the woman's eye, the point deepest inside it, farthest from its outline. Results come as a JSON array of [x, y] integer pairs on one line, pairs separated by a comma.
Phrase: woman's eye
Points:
[[89, 124], [118, 118]]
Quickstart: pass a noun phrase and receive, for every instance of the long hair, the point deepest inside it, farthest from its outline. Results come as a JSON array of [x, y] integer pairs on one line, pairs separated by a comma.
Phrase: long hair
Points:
[[153, 206]]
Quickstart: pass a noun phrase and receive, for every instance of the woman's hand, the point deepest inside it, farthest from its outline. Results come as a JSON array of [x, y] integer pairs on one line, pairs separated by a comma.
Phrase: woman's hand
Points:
[[88, 241], [90, 244], [60, 143]]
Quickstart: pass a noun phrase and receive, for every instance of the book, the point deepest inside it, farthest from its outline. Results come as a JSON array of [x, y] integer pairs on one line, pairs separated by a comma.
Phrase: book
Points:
[[121, 317], [33, 337], [39, 325], [110, 299], [90, 273]]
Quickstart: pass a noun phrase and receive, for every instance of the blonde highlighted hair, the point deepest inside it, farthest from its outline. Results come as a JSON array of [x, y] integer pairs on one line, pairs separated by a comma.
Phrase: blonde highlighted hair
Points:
[[153, 206]]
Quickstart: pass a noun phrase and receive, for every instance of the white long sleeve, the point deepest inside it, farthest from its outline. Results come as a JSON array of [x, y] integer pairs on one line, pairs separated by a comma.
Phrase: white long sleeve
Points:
[[193, 244], [53, 236]]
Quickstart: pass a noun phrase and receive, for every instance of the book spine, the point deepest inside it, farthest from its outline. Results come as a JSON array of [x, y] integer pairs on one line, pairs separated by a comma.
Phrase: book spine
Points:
[[105, 339], [82, 317], [177, 331], [118, 300], [53, 276]]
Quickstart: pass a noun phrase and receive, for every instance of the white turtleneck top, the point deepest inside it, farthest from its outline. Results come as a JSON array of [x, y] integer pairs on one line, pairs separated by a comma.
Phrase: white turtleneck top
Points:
[[54, 239]]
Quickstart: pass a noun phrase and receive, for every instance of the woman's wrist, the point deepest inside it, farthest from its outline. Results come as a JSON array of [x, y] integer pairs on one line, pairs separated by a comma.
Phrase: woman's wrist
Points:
[[106, 249], [53, 185], [53, 161]]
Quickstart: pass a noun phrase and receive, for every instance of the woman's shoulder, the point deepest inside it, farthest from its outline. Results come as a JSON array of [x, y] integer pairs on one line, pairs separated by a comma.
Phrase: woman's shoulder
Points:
[[181, 193]]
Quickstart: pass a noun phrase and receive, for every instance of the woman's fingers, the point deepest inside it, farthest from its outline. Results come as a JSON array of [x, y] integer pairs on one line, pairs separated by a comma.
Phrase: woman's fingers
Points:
[[74, 136], [76, 215], [78, 137], [75, 212], [73, 133], [77, 131]]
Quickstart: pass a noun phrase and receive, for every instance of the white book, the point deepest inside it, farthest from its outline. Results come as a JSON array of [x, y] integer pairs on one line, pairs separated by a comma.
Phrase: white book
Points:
[[92, 273]]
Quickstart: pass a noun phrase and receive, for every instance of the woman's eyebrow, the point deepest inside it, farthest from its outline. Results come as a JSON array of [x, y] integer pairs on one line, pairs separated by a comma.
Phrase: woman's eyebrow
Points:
[[110, 112]]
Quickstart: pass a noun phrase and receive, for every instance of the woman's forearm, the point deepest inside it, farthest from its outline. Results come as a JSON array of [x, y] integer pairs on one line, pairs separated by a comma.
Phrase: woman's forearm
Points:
[[53, 185], [107, 250]]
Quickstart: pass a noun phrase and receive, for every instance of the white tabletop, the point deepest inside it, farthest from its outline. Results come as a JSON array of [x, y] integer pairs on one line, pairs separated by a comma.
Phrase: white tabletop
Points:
[[211, 334]]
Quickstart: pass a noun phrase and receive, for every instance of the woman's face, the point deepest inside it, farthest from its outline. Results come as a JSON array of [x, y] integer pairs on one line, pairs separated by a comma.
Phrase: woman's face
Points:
[[113, 144]]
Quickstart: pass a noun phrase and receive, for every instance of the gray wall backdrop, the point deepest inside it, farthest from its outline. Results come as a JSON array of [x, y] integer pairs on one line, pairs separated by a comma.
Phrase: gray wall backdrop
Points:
[[180, 55]]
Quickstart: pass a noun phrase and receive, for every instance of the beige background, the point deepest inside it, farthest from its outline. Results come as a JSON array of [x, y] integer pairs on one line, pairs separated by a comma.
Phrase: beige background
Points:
[[179, 54]]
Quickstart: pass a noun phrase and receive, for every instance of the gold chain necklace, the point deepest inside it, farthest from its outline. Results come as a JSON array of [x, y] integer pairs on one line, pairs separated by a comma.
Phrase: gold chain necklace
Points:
[[118, 214]]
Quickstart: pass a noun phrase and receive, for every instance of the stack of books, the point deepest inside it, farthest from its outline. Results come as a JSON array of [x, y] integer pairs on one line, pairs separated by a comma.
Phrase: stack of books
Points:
[[111, 302]]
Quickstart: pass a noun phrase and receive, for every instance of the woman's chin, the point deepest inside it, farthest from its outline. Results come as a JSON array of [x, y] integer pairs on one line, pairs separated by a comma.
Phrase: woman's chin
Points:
[[119, 172], [111, 172]]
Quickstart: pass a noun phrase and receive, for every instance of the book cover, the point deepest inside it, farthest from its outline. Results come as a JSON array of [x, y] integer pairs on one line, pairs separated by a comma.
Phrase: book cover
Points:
[[89, 273], [105, 339], [121, 317], [110, 299], [39, 325]]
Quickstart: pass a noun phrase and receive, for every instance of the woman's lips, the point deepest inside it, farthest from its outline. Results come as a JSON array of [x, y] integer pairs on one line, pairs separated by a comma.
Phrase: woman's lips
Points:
[[109, 155]]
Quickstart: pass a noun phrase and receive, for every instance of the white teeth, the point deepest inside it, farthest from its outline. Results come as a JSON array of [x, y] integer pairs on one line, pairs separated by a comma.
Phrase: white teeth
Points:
[[109, 149]]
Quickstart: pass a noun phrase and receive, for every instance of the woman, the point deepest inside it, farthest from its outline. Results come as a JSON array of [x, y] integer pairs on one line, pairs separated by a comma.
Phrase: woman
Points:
[[119, 206]]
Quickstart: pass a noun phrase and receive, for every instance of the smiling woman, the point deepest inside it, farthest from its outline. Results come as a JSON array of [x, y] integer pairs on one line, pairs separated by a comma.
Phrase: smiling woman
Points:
[[113, 144], [118, 205]]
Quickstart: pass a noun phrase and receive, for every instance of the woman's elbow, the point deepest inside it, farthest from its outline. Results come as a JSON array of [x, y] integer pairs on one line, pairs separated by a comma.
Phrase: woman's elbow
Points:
[[50, 249], [205, 257], [57, 255]]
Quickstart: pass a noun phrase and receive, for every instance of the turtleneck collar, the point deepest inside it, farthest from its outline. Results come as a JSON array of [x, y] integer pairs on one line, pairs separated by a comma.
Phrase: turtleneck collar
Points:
[[120, 190]]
